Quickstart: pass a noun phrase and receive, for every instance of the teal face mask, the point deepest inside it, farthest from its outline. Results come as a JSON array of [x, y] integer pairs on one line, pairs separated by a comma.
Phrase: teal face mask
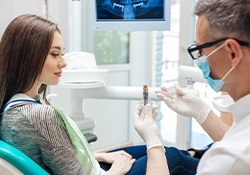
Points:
[[215, 84]]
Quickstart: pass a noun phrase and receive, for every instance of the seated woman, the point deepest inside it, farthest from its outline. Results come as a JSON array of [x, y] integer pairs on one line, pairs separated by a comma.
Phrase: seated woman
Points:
[[30, 59]]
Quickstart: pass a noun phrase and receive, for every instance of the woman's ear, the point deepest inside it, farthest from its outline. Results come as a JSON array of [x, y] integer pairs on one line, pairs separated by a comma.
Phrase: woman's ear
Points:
[[234, 50]]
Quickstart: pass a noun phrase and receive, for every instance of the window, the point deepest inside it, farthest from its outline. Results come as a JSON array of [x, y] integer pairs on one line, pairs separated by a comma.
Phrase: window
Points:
[[111, 47]]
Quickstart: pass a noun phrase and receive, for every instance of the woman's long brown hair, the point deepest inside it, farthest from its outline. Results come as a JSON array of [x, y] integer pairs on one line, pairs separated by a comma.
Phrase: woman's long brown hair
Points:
[[24, 47]]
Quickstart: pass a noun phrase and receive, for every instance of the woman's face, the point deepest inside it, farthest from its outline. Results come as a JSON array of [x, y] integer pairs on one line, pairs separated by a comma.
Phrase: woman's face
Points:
[[54, 62]]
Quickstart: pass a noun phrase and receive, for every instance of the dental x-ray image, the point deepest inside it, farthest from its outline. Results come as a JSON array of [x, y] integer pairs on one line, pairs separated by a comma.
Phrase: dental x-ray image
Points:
[[130, 9]]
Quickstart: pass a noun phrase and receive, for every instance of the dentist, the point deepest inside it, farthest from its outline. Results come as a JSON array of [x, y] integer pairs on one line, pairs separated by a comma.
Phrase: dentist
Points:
[[221, 50]]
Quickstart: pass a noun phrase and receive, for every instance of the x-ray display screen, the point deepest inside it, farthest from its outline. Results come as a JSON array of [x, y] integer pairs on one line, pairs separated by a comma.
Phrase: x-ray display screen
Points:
[[130, 10]]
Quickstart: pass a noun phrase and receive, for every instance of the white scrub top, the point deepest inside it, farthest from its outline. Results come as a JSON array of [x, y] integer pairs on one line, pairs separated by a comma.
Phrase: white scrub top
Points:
[[231, 155]]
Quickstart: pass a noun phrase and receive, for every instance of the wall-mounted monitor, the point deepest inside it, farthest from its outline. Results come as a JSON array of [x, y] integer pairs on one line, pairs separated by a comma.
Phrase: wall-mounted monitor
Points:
[[130, 15]]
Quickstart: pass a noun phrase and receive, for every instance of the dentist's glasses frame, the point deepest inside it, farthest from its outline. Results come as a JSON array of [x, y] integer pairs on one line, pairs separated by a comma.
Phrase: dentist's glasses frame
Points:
[[195, 51]]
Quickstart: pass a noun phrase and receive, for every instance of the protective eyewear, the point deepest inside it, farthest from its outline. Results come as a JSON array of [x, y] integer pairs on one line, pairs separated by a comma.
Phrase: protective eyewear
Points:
[[195, 50]]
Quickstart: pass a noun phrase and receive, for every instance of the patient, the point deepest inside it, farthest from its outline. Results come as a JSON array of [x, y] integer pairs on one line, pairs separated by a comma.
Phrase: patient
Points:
[[31, 50]]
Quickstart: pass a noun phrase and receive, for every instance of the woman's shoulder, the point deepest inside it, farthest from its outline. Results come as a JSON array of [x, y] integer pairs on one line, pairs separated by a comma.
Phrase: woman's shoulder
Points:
[[39, 111], [35, 113], [44, 118], [40, 118], [37, 108]]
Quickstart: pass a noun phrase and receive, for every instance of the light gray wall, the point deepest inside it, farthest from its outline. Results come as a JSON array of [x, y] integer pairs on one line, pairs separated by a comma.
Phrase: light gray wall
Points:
[[9, 9], [60, 11]]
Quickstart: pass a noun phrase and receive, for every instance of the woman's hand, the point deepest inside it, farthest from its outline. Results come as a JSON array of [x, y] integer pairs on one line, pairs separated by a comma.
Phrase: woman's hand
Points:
[[120, 160], [121, 165], [111, 156]]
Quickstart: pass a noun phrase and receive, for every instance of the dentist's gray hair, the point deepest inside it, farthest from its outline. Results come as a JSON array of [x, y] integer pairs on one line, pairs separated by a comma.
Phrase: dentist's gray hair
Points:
[[226, 18]]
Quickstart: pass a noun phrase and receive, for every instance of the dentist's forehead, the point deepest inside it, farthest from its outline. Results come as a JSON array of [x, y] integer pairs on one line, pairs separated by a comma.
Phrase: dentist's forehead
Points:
[[202, 30]]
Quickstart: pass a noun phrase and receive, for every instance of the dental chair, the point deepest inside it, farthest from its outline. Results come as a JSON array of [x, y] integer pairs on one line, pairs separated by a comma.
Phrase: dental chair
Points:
[[14, 162]]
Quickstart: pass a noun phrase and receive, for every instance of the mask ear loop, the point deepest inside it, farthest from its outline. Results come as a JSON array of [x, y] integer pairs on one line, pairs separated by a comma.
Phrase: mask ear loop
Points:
[[230, 70], [205, 57], [215, 50]]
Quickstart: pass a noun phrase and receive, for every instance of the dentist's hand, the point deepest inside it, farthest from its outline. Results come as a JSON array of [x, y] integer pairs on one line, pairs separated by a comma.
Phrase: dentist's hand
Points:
[[184, 102], [144, 123]]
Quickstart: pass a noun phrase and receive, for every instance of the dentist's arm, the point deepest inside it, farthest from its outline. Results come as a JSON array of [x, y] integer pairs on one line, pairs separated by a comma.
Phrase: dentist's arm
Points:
[[157, 163], [214, 126], [186, 103], [144, 120]]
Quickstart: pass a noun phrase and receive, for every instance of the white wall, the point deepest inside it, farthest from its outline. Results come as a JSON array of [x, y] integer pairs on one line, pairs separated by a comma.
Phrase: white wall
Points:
[[60, 11], [9, 9]]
